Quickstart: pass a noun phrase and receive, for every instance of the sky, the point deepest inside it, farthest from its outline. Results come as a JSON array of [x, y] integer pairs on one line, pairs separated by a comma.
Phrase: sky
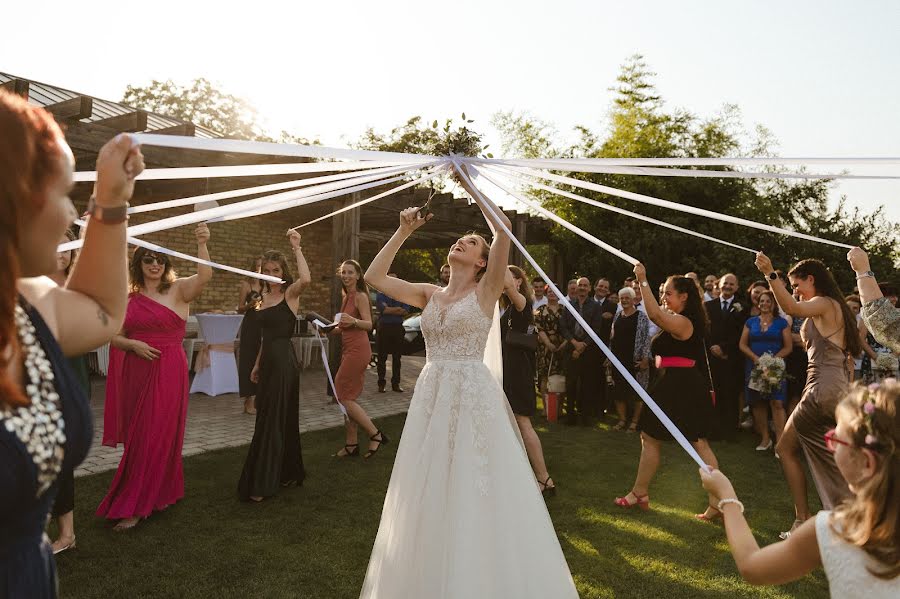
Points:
[[822, 76]]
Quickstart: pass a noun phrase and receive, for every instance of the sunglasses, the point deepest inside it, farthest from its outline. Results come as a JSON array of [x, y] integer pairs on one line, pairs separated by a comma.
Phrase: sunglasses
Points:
[[831, 440], [148, 260]]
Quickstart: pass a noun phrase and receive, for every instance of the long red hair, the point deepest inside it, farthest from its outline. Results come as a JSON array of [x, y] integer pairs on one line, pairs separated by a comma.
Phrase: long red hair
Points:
[[29, 154]]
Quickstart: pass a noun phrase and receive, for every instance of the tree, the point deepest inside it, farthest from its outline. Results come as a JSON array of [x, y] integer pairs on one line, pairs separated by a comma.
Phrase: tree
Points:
[[201, 103], [641, 126]]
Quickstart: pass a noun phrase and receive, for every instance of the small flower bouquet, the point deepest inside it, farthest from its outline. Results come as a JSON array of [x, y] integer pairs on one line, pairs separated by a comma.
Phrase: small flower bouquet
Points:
[[886, 363], [767, 375]]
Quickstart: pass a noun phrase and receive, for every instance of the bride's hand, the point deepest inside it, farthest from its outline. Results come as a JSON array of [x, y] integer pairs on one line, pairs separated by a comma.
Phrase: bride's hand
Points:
[[410, 220], [763, 263]]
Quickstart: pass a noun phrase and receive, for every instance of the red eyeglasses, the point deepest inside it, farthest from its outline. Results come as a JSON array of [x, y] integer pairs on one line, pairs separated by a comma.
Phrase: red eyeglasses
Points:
[[830, 441]]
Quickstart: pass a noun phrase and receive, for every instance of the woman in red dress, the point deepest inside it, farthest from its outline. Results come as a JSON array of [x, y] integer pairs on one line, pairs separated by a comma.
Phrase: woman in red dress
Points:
[[356, 353], [147, 387]]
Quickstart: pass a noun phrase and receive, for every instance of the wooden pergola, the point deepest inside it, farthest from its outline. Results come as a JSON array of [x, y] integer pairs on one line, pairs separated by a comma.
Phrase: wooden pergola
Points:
[[90, 122]]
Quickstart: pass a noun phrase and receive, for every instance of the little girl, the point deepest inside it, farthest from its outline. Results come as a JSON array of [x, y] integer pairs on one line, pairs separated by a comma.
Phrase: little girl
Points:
[[859, 542]]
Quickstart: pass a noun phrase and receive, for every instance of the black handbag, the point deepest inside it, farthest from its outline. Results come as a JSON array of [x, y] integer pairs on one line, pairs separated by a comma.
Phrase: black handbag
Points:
[[515, 339]]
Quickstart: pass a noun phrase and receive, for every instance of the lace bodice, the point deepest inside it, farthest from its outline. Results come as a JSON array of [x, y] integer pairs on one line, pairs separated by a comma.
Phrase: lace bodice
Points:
[[455, 332], [847, 566]]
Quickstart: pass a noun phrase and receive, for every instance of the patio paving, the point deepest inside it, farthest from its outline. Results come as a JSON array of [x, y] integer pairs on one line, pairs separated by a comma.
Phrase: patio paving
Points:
[[217, 422]]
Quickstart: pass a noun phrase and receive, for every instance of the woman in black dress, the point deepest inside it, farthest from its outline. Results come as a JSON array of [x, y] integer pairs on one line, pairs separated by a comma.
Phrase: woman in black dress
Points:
[[274, 459], [681, 388], [45, 419], [250, 297], [518, 368]]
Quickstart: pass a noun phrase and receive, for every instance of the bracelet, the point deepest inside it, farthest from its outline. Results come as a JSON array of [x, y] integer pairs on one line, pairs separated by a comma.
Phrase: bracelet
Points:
[[866, 275], [727, 500]]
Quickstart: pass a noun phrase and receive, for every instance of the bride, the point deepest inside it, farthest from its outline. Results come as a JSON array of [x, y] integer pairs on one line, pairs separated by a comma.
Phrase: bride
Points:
[[463, 516]]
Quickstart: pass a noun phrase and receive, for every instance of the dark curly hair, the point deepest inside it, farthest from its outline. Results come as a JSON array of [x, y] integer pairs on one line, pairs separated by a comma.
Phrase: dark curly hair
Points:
[[136, 273]]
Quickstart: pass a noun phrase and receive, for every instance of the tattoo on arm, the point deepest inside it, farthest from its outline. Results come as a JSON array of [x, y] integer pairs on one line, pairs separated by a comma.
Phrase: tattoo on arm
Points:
[[104, 318]]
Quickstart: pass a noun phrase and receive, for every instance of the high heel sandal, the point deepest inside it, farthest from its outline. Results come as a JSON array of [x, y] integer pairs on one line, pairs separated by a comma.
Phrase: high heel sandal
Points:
[[620, 426], [383, 440], [632, 428], [704, 518], [547, 490], [351, 450], [643, 501]]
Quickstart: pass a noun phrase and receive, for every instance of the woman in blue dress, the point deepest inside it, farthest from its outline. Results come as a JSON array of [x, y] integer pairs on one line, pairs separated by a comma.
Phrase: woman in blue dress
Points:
[[767, 333], [45, 418]]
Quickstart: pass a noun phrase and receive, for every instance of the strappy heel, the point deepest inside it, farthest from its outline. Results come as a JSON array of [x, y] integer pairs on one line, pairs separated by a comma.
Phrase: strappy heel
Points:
[[351, 450], [382, 440], [717, 515], [547, 490], [643, 501]]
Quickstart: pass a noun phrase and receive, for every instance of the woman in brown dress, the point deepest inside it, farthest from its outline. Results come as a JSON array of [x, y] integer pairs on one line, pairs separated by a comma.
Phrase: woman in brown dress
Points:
[[356, 353], [830, 336]]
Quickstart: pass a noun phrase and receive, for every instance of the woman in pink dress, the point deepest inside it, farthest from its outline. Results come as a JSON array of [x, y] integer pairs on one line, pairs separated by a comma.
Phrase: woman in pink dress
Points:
[[147, 387], [356, 353]]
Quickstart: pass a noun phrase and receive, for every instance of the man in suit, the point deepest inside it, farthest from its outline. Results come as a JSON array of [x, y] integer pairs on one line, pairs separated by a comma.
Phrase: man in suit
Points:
[[726, 322], [582, 356], [607, 313]]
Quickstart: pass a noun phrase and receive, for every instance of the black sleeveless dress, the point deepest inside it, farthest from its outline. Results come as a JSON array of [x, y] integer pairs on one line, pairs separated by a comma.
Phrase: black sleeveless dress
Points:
[[682, 393], [274, 457], [518, 363], [27, 568], [248, 348]]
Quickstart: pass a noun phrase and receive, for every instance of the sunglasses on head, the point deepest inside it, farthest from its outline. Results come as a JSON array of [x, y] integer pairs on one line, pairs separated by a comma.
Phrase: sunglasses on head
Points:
[[148, 260], [831, 442]]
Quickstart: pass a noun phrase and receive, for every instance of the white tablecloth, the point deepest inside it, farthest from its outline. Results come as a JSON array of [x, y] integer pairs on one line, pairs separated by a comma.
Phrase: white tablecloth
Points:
[[221, 376]]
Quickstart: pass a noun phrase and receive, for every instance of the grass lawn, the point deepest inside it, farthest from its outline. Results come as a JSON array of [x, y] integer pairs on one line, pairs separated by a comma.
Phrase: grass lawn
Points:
[[314, 541]]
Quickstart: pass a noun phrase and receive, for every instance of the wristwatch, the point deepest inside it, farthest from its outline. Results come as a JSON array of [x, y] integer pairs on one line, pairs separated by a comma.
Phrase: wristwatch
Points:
[[645, 284], [107, 215], [773, 275], [863, 275]]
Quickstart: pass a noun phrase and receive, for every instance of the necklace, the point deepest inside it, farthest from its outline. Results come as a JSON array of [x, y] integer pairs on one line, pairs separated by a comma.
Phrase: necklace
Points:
[[39, 426]]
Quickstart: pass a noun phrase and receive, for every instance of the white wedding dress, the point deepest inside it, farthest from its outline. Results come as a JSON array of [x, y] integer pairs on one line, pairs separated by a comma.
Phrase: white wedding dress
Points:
[[463, 518]]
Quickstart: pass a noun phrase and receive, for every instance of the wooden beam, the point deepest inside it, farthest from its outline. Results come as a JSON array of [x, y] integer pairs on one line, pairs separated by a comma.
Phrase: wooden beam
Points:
[[16, 86], [129, 122], [186, 129], [80, 107]]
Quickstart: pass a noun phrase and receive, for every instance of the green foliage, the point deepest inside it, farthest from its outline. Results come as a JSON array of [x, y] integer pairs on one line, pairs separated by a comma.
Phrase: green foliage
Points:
[[201, 103], [639, 125], [415, 137]]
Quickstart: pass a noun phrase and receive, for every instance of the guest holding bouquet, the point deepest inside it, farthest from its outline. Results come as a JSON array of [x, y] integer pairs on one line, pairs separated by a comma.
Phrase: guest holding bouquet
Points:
[[766, 341]]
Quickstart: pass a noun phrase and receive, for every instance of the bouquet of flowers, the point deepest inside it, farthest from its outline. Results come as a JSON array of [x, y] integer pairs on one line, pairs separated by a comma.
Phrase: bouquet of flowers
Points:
[[767, 375], [886, 363]]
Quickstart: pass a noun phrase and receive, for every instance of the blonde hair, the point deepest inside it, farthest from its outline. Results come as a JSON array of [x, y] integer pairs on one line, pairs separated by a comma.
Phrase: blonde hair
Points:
[[870, 520]]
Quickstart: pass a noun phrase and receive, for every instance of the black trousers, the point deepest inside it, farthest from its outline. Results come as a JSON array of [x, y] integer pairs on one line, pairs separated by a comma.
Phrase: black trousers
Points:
[[582, 388], [390, 341], [728, 379]]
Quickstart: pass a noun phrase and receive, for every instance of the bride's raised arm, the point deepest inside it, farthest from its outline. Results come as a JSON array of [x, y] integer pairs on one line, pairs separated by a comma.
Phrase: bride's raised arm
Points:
[[413, 294], [493, 279]]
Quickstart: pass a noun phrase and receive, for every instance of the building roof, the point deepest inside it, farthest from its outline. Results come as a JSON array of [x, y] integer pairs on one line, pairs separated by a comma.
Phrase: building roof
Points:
[[44, 95]]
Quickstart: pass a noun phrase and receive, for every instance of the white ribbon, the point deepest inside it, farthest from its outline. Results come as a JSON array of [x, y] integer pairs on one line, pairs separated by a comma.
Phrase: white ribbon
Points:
[[608, 207], [547, 214], [247, 170], [675, 206], [253, 207], [319, 324], [667, 172], [575, 164], [271, 148], [234, 193], [645, 397], [162, 250], [427, 177]]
